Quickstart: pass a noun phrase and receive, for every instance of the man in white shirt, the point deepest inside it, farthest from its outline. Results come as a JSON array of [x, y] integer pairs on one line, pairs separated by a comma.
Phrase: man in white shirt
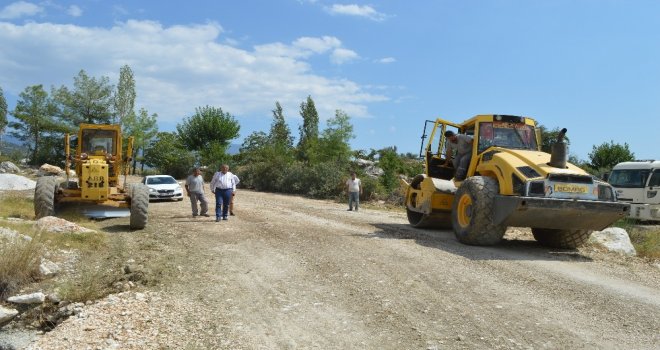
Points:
[[223, 185], [354, 191]]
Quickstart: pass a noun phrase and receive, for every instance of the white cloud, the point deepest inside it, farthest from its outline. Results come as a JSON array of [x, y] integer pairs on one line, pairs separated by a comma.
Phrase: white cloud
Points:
[[387, 60], [178, 68], [317, 45], [356, 10], [74, 11], [20, 9], [341, 56]]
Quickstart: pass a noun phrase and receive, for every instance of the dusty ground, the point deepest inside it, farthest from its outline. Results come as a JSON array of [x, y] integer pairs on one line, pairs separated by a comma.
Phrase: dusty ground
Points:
[[289, 273]]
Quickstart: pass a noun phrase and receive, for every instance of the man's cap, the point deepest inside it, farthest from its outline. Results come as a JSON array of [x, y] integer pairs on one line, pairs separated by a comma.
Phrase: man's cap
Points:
[[449, 133]]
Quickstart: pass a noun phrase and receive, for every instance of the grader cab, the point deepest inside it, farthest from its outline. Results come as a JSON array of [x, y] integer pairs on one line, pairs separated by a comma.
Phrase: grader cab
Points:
[[510, 182], [98, 162]]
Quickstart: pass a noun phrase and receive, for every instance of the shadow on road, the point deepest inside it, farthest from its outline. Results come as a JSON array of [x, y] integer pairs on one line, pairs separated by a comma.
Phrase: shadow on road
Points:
[[116, 228], [508, 249]]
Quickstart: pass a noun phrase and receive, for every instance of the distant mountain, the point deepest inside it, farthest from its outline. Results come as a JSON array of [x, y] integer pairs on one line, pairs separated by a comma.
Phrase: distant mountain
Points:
[[11, 146]]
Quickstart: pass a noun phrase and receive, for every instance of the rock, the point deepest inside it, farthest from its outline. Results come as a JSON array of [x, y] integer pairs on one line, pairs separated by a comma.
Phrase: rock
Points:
[[363, 163], [9, 167], [58, 225], [34, 298], [16, 182], [369, 167], [614, 239], [10, 235], [6, 314], [50, 170], [48, 268], [54, 298]]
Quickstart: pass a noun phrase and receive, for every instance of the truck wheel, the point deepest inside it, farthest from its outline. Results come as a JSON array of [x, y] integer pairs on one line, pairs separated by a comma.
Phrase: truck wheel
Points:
[[560, 238], [472, 212], [44, 197], [139, 206]]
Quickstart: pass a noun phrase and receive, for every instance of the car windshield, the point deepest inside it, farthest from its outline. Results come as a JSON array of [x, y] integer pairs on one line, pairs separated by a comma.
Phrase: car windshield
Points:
[[161, 180], [507, 135], [629, 178]]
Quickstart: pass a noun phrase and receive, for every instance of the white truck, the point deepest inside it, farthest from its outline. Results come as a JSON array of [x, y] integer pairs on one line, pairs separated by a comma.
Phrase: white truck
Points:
[[638, 183]]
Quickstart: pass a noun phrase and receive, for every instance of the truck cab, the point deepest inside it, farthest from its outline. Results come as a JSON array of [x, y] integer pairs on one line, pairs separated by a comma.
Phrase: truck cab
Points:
[[638, 183]]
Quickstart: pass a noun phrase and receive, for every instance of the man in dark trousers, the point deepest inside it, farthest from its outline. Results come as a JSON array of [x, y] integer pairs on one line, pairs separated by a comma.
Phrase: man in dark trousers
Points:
[[223, 185]]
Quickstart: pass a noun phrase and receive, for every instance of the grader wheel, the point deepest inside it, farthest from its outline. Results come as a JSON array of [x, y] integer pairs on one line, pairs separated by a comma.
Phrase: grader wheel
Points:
[[472, 212], [44, 197], [139, 206]]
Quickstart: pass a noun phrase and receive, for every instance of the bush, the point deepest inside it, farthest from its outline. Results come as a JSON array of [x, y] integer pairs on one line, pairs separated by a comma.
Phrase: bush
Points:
[[19, 264], [322, 180]]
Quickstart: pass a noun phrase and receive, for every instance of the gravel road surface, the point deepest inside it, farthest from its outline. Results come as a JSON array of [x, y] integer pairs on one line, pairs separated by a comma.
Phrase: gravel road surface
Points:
[[295, 273]]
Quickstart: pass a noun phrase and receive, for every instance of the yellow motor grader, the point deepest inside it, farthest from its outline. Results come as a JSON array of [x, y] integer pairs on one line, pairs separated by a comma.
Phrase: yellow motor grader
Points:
[[509, 182], [98, 163]]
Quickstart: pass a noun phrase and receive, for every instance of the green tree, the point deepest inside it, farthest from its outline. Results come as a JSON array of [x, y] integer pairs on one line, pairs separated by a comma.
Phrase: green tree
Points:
[[169, 155], [392, 165], [124, 98], [209, 132], [143, 127], [607, 155], [252, 148], [36, 123], [309, 130], [280, 134], [3, 114], [90, 101], [549, 137], [333, 143]]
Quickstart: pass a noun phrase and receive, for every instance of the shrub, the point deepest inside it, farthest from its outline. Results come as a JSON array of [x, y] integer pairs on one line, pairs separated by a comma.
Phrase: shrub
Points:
[[19, 264]]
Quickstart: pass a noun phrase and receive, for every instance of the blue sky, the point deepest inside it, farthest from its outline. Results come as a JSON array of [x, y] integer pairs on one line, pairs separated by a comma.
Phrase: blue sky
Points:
[[592, 66]]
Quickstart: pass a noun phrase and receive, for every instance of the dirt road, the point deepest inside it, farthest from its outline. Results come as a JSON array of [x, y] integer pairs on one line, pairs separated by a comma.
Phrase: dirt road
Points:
[[288, 273]]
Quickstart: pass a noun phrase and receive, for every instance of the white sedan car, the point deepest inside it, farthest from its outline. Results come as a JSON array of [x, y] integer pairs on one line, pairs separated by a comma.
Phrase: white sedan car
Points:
[[163, 187]]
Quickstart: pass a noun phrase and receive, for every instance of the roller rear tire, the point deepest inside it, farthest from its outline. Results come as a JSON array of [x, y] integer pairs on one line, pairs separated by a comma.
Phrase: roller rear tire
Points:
[[569, 239], [472, 212]]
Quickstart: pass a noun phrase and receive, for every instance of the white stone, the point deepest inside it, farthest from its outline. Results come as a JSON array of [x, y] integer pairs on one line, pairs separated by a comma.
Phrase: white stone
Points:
[[6, 314], [9, 167], [59, 225], [48, 268], [50, 170], [9, 234], [614, 239], [34, 298], [16, 182]]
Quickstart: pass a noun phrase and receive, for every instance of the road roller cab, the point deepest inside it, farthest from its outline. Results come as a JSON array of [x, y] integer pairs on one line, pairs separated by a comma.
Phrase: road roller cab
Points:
[[509, 182]]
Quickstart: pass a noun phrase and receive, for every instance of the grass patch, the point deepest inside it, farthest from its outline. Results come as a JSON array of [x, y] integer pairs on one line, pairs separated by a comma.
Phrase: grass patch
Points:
[[92, 281], [85, 242], [16, 204], [95, 273], [646, 242], [19, 264]]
